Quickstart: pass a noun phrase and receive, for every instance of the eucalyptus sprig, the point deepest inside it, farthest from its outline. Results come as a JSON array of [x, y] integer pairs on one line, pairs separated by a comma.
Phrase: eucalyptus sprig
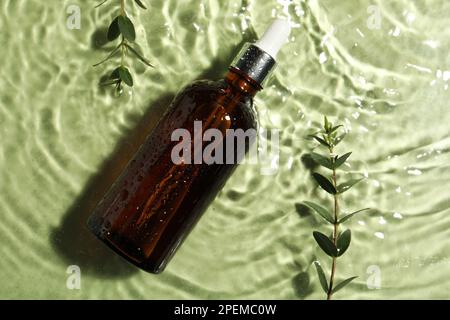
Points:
[[338, 243], [123, 28]]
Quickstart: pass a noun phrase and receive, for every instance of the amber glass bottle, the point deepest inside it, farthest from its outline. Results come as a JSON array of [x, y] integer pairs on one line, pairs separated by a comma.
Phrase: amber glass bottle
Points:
[[155, 202]]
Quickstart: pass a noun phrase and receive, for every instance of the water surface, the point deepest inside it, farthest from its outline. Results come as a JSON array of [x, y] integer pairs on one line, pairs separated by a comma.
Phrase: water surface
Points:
[[64, 140]]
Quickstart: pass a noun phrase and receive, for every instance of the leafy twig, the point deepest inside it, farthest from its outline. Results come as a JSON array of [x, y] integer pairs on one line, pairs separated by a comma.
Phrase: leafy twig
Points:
[[337, 244], [122, 27]]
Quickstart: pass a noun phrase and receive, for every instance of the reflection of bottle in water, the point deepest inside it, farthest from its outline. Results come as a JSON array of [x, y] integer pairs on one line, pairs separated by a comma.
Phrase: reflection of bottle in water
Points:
[[155, 202]]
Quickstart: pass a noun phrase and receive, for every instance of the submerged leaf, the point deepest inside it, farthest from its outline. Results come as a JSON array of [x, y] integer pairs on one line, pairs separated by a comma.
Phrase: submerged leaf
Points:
[[335, 128], [322, 277], [341, 160], [321, 211], [140, 4], [343, 219], [347, 185], [343, 242], [111, 55], [113, 30], [140, 57], [343, 284], [326, 124], [324, 183], [339, 139], [126, 27], [322, 160], [103, 2], [125, 76], [118, 90], [325, 244], [115, 74], [110, 82], [320, 140]]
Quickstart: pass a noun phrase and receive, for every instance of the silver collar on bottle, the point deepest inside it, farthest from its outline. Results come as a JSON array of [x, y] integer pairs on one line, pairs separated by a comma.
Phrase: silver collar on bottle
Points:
[[254, 62]]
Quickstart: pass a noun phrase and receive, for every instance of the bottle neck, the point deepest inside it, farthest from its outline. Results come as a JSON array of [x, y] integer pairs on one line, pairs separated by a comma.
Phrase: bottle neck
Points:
[[242, 82], [254, 63]]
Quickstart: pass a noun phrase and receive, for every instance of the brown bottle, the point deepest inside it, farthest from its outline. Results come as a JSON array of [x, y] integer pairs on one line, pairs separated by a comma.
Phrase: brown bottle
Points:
[[156, 201]]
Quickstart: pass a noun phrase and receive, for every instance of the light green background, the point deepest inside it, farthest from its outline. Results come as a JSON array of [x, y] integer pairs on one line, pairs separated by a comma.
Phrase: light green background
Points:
[[63, 140]]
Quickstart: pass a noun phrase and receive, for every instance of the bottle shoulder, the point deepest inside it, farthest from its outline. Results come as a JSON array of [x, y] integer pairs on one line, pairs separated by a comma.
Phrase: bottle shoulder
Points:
[[205, 89], [219, 90], [205, 99]]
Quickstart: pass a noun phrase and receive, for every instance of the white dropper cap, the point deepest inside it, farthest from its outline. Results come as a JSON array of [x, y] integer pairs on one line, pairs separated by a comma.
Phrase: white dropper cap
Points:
[[257, 60], [275, 36]]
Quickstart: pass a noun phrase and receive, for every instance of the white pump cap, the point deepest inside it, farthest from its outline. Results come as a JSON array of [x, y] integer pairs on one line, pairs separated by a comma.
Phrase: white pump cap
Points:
[[275, 36]]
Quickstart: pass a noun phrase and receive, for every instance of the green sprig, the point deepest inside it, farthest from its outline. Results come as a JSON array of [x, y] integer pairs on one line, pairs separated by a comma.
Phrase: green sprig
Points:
[[338, 243], [122, 28]]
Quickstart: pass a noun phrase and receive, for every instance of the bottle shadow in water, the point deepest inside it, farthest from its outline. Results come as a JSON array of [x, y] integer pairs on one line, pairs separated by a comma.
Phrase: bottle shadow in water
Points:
[[71, 239]]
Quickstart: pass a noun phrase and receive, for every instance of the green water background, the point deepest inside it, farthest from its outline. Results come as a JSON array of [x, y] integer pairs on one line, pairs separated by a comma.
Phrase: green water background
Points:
[[64, 139]]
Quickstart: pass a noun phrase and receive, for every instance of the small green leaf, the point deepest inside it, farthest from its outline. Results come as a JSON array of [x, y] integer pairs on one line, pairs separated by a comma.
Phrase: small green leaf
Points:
[[140, 57], [125, 76], [343, 242], [320, 140], [343, 219], [326, 124], [126, 27], [322, 160], [325, 244], [320, 210], [113, 30], [118, 90], [140, 4], [115, 74], [324, 183], [111, 55], [322, 277], [103, 2], [335, 128], [110, 82], [343, 284], [341, 160], [339, 139], [347, 185]]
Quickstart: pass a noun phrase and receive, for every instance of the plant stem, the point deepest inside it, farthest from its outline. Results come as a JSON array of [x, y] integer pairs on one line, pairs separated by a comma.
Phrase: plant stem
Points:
[[122, 7], [335, 229], [122, 46]]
